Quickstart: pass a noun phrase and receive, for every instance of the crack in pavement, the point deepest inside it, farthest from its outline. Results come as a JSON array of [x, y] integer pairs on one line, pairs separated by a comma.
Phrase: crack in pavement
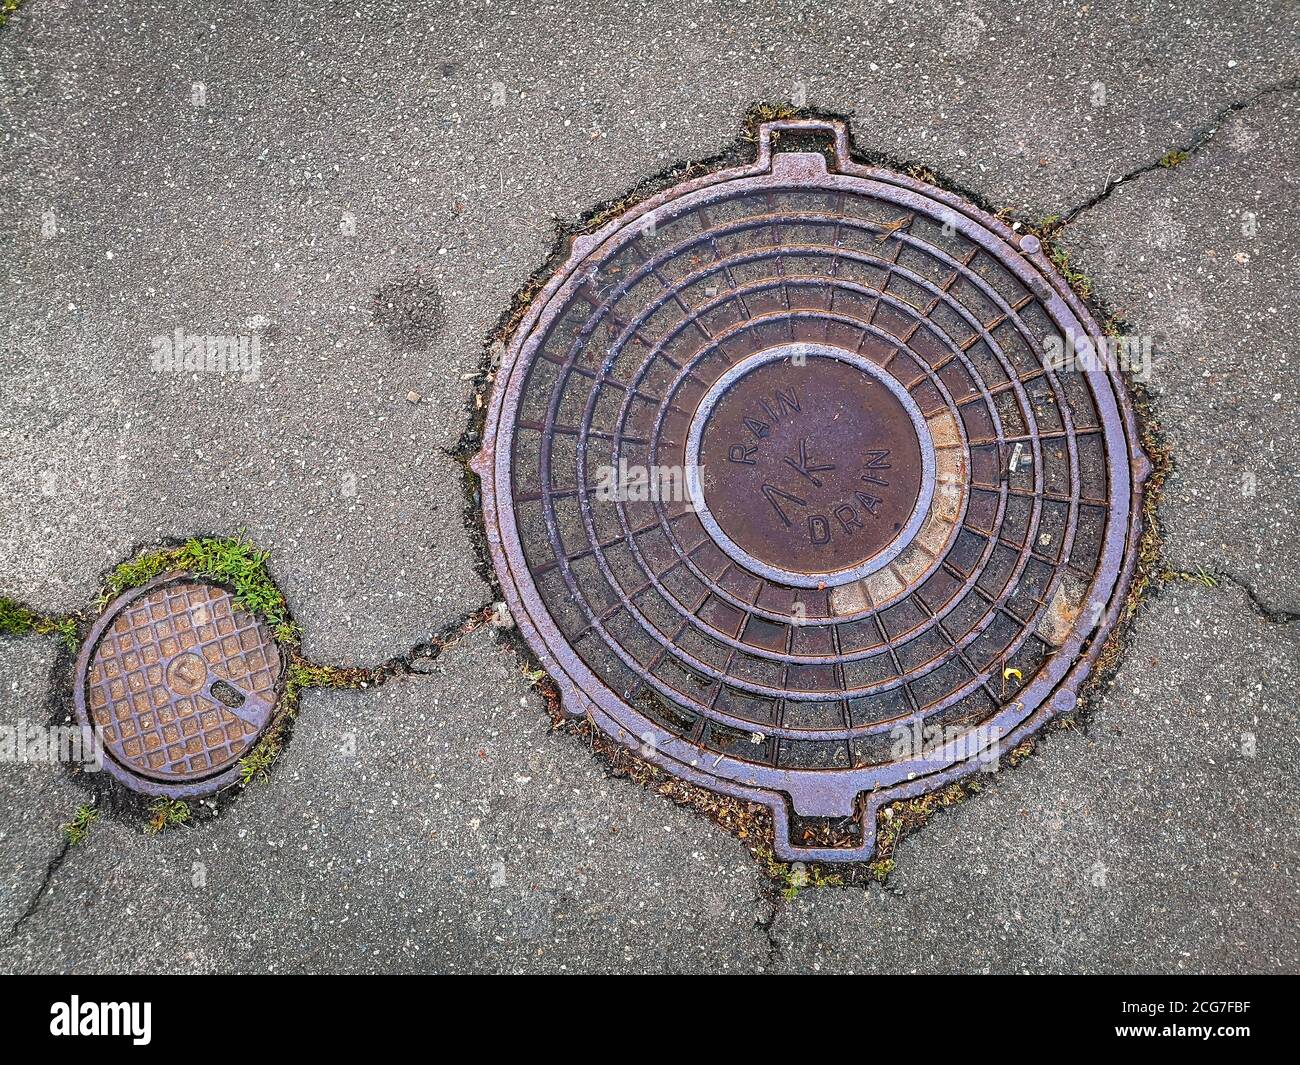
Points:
[[1199, 140], [763, 922], [421, 656], [55, 863], [1268, 613]]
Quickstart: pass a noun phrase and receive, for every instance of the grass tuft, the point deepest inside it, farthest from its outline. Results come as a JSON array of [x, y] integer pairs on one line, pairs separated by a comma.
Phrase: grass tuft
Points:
[[163, 813], [232, 561], [76, 830], [1077, 279]]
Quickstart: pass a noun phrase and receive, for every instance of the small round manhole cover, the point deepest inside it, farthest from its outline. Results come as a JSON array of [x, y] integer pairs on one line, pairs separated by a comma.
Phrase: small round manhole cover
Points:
[[178, 682], [789, 487]]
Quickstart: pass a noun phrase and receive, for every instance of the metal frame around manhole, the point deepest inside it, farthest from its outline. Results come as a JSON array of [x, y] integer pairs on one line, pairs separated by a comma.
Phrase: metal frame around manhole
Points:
[[615, 678]]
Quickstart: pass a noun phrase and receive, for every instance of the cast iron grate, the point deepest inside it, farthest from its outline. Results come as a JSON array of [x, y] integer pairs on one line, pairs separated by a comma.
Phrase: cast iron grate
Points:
[[178, 682], [904, 530]]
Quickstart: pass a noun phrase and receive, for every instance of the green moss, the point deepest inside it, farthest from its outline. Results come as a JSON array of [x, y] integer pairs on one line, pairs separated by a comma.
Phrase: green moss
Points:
[[303, 674], [232, 561], [163, 813], [768, 112], [16, 619], [794, 880], [300, 675], [900, 819], [76, 830], [257, 763], [19, 620], [7, 8]]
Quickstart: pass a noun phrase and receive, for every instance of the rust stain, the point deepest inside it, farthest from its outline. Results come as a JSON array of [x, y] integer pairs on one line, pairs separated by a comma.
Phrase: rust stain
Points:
[[1063, 611]]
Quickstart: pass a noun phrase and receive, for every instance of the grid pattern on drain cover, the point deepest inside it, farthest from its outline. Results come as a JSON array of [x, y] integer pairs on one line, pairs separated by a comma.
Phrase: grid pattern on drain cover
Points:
[[149, 685], [758, 673]]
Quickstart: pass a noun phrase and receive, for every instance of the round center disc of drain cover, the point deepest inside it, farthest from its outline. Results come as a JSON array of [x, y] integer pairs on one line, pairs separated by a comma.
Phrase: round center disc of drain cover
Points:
[[810, 465]]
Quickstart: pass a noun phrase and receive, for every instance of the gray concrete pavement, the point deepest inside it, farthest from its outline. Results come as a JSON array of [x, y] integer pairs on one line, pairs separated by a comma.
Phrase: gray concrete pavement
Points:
[[35, 799], [285, 174], [1202, 259]]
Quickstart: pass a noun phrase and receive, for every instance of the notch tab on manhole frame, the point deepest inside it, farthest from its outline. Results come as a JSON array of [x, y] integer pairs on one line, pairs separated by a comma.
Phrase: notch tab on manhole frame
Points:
[[823, 686]]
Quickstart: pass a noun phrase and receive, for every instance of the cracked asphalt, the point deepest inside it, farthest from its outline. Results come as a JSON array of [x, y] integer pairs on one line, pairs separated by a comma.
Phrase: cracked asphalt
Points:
[[363, 188]]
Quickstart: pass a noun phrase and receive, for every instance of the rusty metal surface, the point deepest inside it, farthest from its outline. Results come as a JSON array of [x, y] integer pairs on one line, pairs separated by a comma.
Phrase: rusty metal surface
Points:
[[179, 683], [807, 465], [905, 533]]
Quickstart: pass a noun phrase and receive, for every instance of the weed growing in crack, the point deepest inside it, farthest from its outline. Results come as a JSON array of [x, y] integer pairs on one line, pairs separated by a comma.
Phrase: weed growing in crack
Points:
[[769, 112], [19, 620], [164, 813], [1047, 227], [899, 819], [76, 830], [232, 561], [1077, 279], [303, 674], [1174, 157], [300, 675], [257, 763], [1200, 575], [880, 869], [795, 877]]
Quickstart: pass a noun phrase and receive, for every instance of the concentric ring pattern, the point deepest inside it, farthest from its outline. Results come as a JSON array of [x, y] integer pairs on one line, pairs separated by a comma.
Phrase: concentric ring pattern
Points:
[[972, 626]]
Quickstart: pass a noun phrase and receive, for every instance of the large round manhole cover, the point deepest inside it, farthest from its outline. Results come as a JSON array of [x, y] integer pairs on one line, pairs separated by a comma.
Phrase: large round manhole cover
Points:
[[178, 682], [786, 487]]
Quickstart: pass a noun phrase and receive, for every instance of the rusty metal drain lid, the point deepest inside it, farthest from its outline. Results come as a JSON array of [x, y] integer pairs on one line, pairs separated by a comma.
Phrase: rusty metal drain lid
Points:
[[178, 682], [785, 490], [817, 462]]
